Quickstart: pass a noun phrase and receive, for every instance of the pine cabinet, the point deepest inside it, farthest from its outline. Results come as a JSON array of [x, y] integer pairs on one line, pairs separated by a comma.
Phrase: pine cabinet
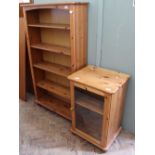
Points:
[[97, 99]]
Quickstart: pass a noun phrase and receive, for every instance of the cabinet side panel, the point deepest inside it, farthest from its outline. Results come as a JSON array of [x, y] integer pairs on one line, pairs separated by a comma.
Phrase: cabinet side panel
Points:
[[116, 111], [106, 119], [72, 105], [79, 35]]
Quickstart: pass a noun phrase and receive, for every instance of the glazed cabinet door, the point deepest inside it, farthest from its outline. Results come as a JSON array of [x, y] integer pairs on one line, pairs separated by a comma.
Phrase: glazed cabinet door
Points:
[[89, 109]]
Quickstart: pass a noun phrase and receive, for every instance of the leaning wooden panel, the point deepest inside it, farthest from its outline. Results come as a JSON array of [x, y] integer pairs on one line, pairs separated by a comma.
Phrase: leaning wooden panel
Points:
[[22, 60], [28, 36]]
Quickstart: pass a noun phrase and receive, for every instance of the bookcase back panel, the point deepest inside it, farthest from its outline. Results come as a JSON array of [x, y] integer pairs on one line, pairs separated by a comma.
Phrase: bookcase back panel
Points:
[[52, 16], [65, 102], [37, 56], [34, 35], [57, 79], [39, 75], [49, 36], [57, 58], [32, 16], [53, 103], [56, 37]]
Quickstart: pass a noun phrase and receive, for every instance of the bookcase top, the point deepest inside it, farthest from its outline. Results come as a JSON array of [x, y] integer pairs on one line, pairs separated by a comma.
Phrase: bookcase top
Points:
[[51, 4]]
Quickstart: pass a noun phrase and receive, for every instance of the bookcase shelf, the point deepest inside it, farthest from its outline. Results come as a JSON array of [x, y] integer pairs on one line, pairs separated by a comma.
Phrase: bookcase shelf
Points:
[[89, 102], [52, 48], [57, 46], [52, 26], [53, 68], [54, 105], [55, 88]]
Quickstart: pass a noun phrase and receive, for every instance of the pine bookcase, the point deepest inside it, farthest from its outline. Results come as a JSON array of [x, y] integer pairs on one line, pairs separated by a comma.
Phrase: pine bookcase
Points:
[[57, 46]]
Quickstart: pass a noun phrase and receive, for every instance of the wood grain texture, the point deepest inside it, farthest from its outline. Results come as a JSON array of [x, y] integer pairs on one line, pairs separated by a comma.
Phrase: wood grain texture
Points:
[[72, 105], [53, 68], [79, 36], [55, 88], [59, 37], [54, 105], [22, 60], [101, 79], [52, 48], [52, 26], [116, 111], [57, 79], [60, 59], [64, 6], [54, 16]]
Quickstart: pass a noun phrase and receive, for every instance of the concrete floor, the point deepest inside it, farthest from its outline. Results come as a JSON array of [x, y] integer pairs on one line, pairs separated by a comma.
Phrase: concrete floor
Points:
[[45, 133]]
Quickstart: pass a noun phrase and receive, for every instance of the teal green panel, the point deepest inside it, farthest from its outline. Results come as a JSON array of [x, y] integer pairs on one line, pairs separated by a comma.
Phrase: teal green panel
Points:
[[118, 49]]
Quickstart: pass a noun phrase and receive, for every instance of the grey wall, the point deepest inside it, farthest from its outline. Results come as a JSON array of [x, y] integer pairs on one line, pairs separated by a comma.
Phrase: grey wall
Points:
[[111, 43]]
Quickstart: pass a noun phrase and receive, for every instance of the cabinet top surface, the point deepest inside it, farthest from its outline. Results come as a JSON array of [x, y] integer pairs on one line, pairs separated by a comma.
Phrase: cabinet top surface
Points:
[[51, 4], [100, 78]]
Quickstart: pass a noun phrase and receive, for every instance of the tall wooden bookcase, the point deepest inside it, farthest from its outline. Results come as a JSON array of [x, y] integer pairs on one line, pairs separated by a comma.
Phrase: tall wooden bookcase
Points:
[[57, 46]]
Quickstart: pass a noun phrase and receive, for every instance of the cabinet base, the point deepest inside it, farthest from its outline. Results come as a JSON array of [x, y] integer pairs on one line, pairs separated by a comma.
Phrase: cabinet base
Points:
[[94, 141]]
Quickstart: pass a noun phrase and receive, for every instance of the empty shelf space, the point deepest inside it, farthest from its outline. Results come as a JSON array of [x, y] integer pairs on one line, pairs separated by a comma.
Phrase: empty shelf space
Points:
[[51, 25], [55, 88], [55, 105], [52, 48], [89, 102], [53, 68]]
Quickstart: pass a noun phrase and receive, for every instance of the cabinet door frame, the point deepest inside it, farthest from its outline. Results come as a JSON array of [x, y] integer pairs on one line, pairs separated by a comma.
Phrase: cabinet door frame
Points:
[[105, 117]]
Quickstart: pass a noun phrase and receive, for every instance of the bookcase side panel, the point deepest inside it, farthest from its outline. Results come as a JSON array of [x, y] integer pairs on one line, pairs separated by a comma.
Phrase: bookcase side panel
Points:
[[78, 24]]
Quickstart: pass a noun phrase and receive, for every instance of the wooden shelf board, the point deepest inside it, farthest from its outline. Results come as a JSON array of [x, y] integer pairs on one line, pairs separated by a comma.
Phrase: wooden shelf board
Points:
[[50, 25], [55, 88], [52, 48], [55, 105], [89, 102], [53, 68]]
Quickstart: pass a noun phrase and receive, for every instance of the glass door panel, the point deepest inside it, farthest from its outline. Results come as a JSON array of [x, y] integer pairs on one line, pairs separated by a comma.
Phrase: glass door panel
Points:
[[89, 112]]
